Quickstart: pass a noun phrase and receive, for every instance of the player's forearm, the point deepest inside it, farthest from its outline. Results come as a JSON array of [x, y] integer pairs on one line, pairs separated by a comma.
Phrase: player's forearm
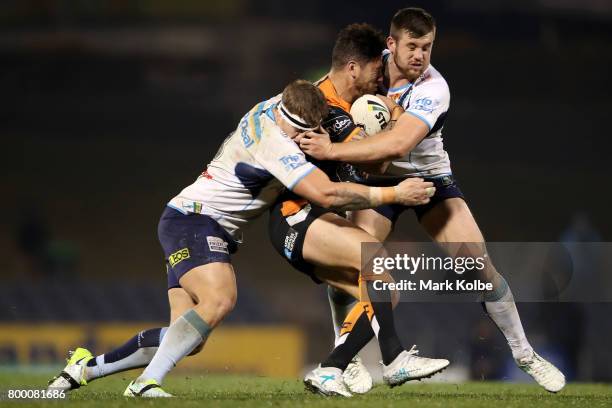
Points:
[[380, 147], [390, 144], [347, 196]]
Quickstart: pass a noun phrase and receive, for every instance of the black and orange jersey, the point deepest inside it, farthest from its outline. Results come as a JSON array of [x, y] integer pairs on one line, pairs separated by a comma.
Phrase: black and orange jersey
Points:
[[338, 123]]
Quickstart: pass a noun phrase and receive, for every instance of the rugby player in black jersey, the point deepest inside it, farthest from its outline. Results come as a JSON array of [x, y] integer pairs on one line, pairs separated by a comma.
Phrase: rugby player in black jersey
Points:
[[322, 243]]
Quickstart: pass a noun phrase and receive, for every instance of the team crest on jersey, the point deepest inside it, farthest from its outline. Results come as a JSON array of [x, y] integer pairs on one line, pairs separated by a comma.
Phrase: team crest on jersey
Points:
[[178, 256], [216, 244]]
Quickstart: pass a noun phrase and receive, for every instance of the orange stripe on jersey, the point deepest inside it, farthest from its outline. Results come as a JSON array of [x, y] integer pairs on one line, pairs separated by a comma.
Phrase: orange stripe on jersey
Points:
[[354, 315], [291, 207], [355, 131], [331, 95]]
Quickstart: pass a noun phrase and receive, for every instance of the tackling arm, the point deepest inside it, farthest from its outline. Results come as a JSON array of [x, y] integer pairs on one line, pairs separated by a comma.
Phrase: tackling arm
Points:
[[387, 145], [319, 189]]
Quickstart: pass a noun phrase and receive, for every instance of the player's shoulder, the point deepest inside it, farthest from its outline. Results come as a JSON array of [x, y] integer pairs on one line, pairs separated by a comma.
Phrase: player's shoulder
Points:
[[338, 123], [433, 81]]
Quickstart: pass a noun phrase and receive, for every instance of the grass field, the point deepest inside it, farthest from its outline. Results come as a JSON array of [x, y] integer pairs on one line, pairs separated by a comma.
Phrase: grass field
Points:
[[232, 391]]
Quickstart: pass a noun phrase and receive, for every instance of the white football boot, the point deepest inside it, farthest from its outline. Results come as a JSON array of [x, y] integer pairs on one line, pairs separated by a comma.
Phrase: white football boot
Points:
[[326, 381], [409, 366], [145, 389], [357, 377], [73, 375], [543, 372]]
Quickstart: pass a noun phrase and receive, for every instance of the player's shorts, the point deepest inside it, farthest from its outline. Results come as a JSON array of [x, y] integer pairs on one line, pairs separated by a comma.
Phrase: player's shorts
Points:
[[191, 240], [446, 187], [287, 233]]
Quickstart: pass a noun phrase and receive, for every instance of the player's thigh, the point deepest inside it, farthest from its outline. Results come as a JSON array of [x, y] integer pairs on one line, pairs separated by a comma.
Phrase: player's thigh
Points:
[[180, 302], [213, 290], [333, 242], [372, 222], [451, 221], [344, 280]]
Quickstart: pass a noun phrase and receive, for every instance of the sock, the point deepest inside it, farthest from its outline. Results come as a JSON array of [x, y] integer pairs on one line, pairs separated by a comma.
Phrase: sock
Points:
[[501, 308], [355, 333], [383, 324], [340, 304], [184, 335], [135, 353]]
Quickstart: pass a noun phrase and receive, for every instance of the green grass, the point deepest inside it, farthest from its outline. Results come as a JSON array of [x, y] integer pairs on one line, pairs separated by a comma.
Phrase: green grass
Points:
[[242, 391]]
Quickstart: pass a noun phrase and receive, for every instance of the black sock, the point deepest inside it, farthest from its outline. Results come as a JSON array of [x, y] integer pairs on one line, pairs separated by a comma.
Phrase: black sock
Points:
[[356, 339], [146, 338], [388, 341]]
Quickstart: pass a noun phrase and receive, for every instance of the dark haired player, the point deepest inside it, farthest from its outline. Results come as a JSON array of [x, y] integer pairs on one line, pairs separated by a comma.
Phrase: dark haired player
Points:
[[416, 149], [315, 240]]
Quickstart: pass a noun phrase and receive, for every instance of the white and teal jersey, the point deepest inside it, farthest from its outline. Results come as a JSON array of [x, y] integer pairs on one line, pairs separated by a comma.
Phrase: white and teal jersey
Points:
[[248, 173], [427, 98]]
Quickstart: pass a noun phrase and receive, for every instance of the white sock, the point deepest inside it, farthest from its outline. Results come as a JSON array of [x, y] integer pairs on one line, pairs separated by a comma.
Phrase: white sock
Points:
[[340, 304], [184, 335], [505, 315]]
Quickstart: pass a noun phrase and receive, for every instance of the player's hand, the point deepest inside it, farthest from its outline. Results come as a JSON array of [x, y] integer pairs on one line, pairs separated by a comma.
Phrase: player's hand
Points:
[[414, 191], [316, 144], [391, 104]]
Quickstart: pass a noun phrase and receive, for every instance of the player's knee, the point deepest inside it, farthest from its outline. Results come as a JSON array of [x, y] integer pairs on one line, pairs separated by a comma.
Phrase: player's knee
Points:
[[222, 304]]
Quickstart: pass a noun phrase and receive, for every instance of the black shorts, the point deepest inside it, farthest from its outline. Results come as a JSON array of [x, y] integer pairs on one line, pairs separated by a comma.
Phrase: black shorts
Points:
[[287, 234], [446, 187], [191, 240]]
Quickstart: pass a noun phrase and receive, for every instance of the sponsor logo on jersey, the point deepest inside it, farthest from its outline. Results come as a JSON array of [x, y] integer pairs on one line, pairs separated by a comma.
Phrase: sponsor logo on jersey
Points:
[[292, 161], [425, 104], [244, 133], [341, 123], [216, 244], [290, 239], [178, 256], [205, 174]]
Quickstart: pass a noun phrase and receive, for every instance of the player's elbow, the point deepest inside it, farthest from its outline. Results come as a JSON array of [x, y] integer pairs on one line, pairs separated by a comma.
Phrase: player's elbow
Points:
[[397, 151]]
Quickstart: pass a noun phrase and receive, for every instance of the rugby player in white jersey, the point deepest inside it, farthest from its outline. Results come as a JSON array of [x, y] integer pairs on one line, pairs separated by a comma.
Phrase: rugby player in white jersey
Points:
[[201, 227], [416, 149]]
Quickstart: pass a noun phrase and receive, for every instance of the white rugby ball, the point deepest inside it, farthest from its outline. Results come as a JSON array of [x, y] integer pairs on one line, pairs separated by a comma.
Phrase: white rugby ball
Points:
[[371, 113]]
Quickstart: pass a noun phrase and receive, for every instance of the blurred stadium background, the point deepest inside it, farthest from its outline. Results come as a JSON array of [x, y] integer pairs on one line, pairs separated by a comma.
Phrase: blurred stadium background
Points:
[[109, 108]]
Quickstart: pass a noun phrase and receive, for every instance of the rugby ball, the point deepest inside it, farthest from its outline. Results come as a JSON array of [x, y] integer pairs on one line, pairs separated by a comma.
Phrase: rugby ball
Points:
[[371, 113]]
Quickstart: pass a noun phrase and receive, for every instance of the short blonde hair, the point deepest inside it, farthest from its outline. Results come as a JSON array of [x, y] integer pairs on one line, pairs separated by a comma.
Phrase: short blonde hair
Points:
[[304, 99]]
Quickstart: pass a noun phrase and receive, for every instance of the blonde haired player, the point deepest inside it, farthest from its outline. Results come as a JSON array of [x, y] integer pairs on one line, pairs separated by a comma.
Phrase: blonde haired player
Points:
[[200, 228]]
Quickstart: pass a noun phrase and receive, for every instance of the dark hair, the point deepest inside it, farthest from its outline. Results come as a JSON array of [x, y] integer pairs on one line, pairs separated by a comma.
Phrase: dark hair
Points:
[[415, 20], [304, 99], [360, 42]]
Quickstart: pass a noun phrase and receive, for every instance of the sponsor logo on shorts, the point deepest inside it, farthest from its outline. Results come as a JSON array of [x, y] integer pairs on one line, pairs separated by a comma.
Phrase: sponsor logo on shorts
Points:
[[446, 181], [178, 256], [290, 239], [216, 244]]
